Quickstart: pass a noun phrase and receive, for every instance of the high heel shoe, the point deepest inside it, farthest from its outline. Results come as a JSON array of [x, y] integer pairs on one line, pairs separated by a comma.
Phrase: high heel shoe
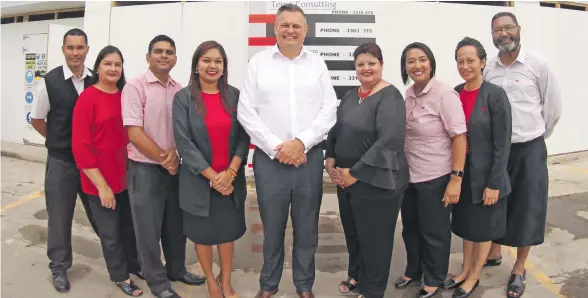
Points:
[[222, 291]]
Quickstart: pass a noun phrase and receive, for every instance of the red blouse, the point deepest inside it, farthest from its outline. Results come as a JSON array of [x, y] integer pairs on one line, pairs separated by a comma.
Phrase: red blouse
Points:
[[468, 100], [218, 125], [99, 139]]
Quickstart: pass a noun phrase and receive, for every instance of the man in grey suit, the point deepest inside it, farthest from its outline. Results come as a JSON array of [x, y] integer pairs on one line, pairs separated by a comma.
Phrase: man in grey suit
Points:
[[287, 105]]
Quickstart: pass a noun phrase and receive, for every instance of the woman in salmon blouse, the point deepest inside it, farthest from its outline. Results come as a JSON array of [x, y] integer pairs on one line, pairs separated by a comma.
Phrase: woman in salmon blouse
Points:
[[213, 148], [99, 144]]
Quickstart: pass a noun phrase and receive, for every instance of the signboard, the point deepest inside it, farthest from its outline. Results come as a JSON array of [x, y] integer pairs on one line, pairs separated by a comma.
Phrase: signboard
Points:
[[35, 68], [335, 29]]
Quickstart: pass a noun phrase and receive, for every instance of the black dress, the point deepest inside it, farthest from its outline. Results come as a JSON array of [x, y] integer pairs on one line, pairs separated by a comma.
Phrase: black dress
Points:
[[368, 139]]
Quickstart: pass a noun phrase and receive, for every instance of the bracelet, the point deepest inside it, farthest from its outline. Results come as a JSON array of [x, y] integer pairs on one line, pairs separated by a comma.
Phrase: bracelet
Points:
[[232, 172]]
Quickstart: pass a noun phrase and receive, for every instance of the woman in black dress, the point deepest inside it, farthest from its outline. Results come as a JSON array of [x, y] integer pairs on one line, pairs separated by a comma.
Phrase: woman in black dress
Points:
[[213, 147], [365, 158], [480, 215]]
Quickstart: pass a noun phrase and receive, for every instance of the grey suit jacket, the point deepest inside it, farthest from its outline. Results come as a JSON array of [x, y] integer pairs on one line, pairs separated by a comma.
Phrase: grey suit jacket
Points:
[[194, 148], [489, 138]]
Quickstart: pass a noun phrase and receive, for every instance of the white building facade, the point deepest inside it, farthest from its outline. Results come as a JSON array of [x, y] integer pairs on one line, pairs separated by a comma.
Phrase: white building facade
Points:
[[244, 28]]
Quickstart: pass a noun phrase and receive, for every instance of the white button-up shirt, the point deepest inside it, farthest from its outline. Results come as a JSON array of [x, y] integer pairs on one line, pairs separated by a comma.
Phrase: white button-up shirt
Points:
[[41, 106], [534, 94], [283, 99]]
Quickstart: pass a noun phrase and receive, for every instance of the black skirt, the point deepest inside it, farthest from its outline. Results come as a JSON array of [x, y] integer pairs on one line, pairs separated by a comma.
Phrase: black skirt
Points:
[[527, 203], [225, 223], [476, 222]]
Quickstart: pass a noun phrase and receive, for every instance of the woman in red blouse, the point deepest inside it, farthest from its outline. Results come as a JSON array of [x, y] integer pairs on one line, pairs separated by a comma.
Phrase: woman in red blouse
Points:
[[99, 143], [213, 148], [480, 215]]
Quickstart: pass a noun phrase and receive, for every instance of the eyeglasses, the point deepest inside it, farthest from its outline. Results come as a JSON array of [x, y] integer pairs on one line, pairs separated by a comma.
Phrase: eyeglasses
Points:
[[508, 28]]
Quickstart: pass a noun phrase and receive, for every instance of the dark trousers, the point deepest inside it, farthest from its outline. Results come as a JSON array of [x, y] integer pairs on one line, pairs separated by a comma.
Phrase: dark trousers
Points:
[[369, 226], [62, 186], [427, 231], [155, 206], [282, 188], [117, 236]]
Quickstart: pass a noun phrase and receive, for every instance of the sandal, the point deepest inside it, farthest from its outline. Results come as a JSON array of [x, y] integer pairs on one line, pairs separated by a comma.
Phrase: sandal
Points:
[[348, 285], [223, 291], [129, 288], [493, 262], [516, 285]]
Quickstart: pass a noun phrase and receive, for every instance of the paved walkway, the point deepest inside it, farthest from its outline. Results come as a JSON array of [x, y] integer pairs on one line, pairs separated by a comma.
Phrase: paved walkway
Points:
[[558, 268]]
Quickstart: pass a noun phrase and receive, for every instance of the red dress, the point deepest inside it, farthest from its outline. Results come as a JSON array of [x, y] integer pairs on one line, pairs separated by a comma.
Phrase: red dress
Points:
[[218, 125], [99, 139]]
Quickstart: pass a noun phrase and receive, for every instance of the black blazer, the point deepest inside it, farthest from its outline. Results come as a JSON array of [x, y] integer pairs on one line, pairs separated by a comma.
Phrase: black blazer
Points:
[[489, 138], [193, 145]]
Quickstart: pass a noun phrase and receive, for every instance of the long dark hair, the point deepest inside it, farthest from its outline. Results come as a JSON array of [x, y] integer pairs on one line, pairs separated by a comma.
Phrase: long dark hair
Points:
[[223, 82], [107, 51]]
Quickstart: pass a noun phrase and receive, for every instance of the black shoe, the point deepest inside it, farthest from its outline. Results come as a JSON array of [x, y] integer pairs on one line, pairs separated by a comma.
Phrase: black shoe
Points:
[[461, 293], [402, 283], [452, 284], [425, 294], [60, 282], [167, 294], [190, 279]]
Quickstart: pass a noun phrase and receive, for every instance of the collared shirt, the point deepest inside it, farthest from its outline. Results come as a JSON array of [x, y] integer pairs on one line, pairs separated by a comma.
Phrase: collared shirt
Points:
[[147, 102], [533, 91], [41, 106], [433, 117], [283, 99]]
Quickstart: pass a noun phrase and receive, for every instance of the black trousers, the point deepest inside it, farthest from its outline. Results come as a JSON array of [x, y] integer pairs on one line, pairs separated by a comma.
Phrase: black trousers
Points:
[[62, 186], [155, 206], [427, 231], [369, 226], [117, 236], [282, 188]]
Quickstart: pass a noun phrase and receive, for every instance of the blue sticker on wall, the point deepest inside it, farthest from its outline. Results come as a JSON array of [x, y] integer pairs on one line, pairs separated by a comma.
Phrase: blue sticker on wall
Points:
[[29, 117], [29, 97], [29, 76]]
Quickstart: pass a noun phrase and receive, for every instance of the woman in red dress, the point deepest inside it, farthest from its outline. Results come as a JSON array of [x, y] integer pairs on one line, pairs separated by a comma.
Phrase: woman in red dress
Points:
[[99, 144], [213, 148]]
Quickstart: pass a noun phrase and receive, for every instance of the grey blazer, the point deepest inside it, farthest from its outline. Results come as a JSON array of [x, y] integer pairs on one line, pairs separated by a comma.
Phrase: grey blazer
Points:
[[193, 145], [489, 138]]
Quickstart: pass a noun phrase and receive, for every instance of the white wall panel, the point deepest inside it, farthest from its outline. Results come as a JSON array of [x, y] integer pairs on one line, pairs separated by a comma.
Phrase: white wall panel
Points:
[[133, 27]]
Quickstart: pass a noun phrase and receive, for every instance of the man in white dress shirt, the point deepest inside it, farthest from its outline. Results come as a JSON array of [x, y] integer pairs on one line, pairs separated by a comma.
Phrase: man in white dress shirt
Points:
[[536, 108], [287, 105], [58, 92]]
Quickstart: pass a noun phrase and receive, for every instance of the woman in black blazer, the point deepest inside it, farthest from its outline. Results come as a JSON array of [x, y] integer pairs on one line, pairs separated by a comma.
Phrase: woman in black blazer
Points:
[[480, 215], [213, 148]]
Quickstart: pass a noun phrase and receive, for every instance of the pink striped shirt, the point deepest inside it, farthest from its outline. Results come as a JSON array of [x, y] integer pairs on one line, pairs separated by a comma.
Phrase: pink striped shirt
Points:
[[147, 102], [433, 117]]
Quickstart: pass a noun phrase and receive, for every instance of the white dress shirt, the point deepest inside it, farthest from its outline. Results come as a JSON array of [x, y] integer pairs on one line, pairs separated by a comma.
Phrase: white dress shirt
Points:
[[41, 106], [283, 99], [534, 94]]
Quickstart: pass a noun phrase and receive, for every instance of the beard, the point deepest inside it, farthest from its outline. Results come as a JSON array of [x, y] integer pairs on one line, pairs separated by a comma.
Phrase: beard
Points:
[[509, 47]]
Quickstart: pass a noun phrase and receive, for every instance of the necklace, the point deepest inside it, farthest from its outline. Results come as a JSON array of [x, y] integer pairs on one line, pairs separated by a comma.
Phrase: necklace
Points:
[[363, 95]]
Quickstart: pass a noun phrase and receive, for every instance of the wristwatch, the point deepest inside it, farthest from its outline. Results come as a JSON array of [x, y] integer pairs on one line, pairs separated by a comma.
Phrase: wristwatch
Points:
[[457, 173]]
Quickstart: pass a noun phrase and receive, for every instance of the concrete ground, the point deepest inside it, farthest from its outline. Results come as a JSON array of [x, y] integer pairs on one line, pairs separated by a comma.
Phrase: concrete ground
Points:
[[558, 268]]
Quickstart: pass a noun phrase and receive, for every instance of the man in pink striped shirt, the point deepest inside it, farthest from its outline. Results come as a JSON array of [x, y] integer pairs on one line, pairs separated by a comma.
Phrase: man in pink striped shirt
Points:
[[153, 163]]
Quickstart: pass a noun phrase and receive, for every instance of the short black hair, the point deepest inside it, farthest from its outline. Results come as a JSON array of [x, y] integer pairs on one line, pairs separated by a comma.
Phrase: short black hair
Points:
[[504, 14], [291, 8], [75, 32], [428, 53], [158, 38], [468, 41], [369, 48]]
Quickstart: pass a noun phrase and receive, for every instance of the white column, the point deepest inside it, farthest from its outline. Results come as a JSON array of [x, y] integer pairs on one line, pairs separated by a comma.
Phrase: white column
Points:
[[97, 27]]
